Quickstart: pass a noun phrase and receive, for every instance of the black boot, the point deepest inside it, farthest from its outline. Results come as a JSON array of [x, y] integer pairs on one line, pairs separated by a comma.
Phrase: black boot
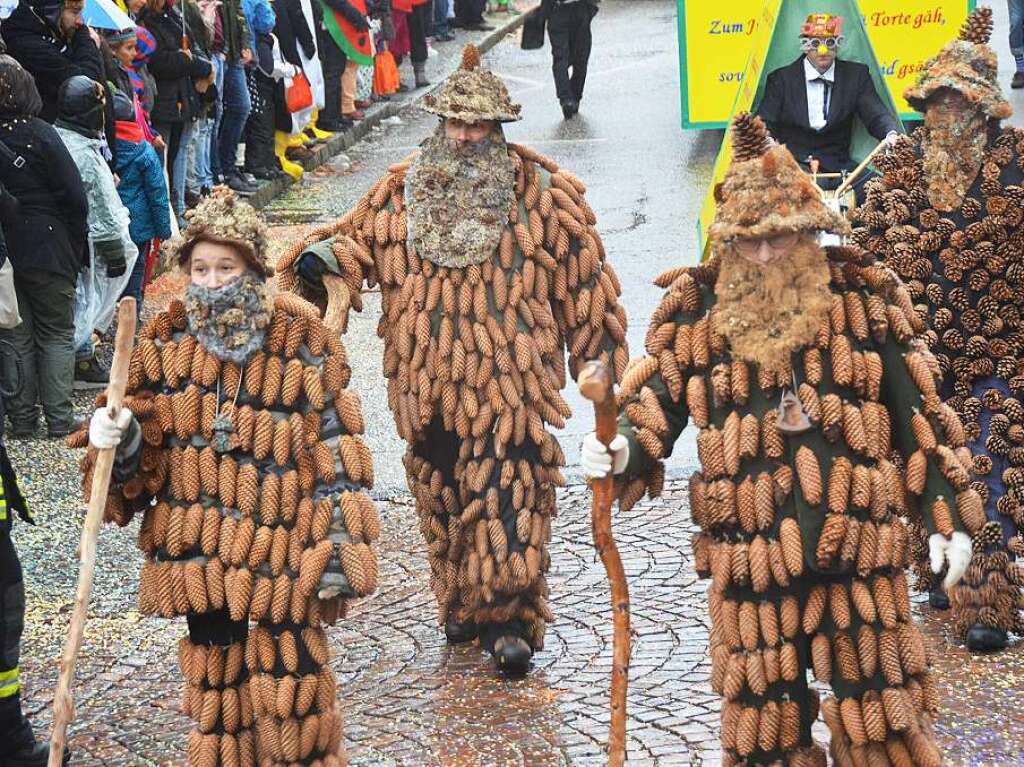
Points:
[[33, 755], [460, 633], [937, 598], [512, 655], [570, 108], [985, 638]]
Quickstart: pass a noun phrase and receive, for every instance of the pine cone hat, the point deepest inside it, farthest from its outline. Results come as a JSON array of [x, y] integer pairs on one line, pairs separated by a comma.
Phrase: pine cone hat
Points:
[[473, 94], [968, 66], [765, 192]]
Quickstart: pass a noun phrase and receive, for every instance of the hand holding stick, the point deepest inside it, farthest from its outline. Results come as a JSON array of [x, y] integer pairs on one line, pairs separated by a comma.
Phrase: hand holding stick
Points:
[[595, 382], [63, 705]]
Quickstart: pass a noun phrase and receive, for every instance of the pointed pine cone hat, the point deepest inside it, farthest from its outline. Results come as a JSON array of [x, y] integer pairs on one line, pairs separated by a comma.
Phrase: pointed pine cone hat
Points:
[[765, 192], [473, 94], [968, 66]]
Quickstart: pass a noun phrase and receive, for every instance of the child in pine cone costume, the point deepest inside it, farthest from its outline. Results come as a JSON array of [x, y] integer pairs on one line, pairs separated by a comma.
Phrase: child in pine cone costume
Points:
[[820, 427], [490, 268], [947, 216], [240, 445]]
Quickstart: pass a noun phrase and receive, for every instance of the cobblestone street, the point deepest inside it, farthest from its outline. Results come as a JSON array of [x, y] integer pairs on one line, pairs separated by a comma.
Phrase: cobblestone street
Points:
[[410, 700]]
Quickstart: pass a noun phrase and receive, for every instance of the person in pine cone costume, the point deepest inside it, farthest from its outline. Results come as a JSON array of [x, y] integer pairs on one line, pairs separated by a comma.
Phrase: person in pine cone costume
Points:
[[820, 426], [239, 444], [490, 268], [947, 216]]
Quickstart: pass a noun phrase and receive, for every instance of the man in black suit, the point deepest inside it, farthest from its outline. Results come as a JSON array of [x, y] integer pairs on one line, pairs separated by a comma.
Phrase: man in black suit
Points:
[[810, 104]]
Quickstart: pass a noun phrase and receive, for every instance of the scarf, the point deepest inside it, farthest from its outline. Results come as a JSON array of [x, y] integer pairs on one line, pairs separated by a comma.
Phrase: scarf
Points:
[[230, 321]]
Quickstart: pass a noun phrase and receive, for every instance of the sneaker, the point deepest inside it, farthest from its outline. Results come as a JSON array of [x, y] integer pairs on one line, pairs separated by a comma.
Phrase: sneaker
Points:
[[356, 115], [1018, 80], [362, 104], [268, 174], [248, 177], [240, 185], [90, 374]]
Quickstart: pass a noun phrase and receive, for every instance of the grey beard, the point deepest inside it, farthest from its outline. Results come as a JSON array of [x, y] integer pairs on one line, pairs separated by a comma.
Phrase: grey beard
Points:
[[231, 321], [459, 200]]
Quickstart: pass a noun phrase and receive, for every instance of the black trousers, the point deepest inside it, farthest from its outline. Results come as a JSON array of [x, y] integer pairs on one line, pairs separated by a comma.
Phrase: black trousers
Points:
[[419, 22], [569, 32], [333, 60], [15, 731], [259, 128], [469, 12]]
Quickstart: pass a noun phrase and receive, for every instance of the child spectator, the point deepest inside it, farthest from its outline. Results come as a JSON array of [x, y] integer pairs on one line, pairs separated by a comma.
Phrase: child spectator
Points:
[[143, 191]]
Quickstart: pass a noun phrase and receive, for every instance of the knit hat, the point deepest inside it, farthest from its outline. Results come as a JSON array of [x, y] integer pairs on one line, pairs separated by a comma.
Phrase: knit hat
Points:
[[473, 94], [117, 36], [967, 66], [765, 192], [145, 44], [224, 219]]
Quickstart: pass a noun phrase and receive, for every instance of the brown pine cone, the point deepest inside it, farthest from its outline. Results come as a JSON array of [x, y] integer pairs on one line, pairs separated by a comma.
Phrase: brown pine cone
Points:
[[750, 137], [792, 548], [814, 609]]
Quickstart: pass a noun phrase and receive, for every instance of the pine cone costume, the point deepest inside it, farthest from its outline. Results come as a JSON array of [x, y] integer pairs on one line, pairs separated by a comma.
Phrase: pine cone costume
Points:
[[964, 271], [253, 532], [801, 531], [474, 358]]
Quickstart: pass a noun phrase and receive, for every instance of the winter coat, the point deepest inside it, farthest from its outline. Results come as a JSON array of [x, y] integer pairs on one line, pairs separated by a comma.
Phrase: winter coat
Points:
[[233, 30], [49, 59], [176, 98], [261, 18], [143, 191], [49, 230]]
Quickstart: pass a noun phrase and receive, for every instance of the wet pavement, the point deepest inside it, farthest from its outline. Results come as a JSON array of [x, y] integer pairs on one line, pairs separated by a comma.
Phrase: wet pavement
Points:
[[408, 699]]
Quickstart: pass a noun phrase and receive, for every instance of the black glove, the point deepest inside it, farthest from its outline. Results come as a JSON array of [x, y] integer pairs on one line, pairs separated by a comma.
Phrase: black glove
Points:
[[111, 253]]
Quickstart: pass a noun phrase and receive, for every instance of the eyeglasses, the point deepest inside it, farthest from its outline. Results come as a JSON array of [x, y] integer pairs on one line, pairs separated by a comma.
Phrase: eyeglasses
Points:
[[813, 43], [780, 242]]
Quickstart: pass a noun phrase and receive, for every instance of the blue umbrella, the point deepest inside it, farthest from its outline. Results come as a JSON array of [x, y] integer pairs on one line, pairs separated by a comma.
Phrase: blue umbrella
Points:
[[105, 14]]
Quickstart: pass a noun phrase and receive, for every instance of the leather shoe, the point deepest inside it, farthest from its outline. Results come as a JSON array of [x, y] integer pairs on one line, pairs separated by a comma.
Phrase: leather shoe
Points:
[[938, 598], [512, 656], [985, 638], [460, 633], [1017, 81]]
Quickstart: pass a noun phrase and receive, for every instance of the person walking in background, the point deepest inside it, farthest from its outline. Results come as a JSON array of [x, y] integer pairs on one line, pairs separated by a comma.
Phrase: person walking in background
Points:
[[143, 191], [51, 199], [1016, 11], [569, 32]]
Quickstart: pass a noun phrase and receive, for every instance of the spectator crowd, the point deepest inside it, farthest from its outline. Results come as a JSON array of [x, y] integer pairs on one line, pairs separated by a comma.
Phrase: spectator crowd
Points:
[[108, 136]]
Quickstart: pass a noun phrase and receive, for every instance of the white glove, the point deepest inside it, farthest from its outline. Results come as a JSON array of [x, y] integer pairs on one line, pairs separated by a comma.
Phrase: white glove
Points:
[[956, 550], [104, 431], [891, 138], [597, 460]]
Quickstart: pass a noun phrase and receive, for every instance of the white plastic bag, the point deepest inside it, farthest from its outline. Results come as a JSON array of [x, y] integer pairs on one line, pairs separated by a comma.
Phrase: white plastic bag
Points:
[[10, 317]]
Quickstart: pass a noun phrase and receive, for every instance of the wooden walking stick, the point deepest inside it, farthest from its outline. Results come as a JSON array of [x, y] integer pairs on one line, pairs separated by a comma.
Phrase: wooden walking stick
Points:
[[63, 705], [595, 382]]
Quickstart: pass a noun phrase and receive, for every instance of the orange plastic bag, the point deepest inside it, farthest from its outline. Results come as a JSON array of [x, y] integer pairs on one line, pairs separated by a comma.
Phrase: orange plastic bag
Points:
[[385, 74]]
